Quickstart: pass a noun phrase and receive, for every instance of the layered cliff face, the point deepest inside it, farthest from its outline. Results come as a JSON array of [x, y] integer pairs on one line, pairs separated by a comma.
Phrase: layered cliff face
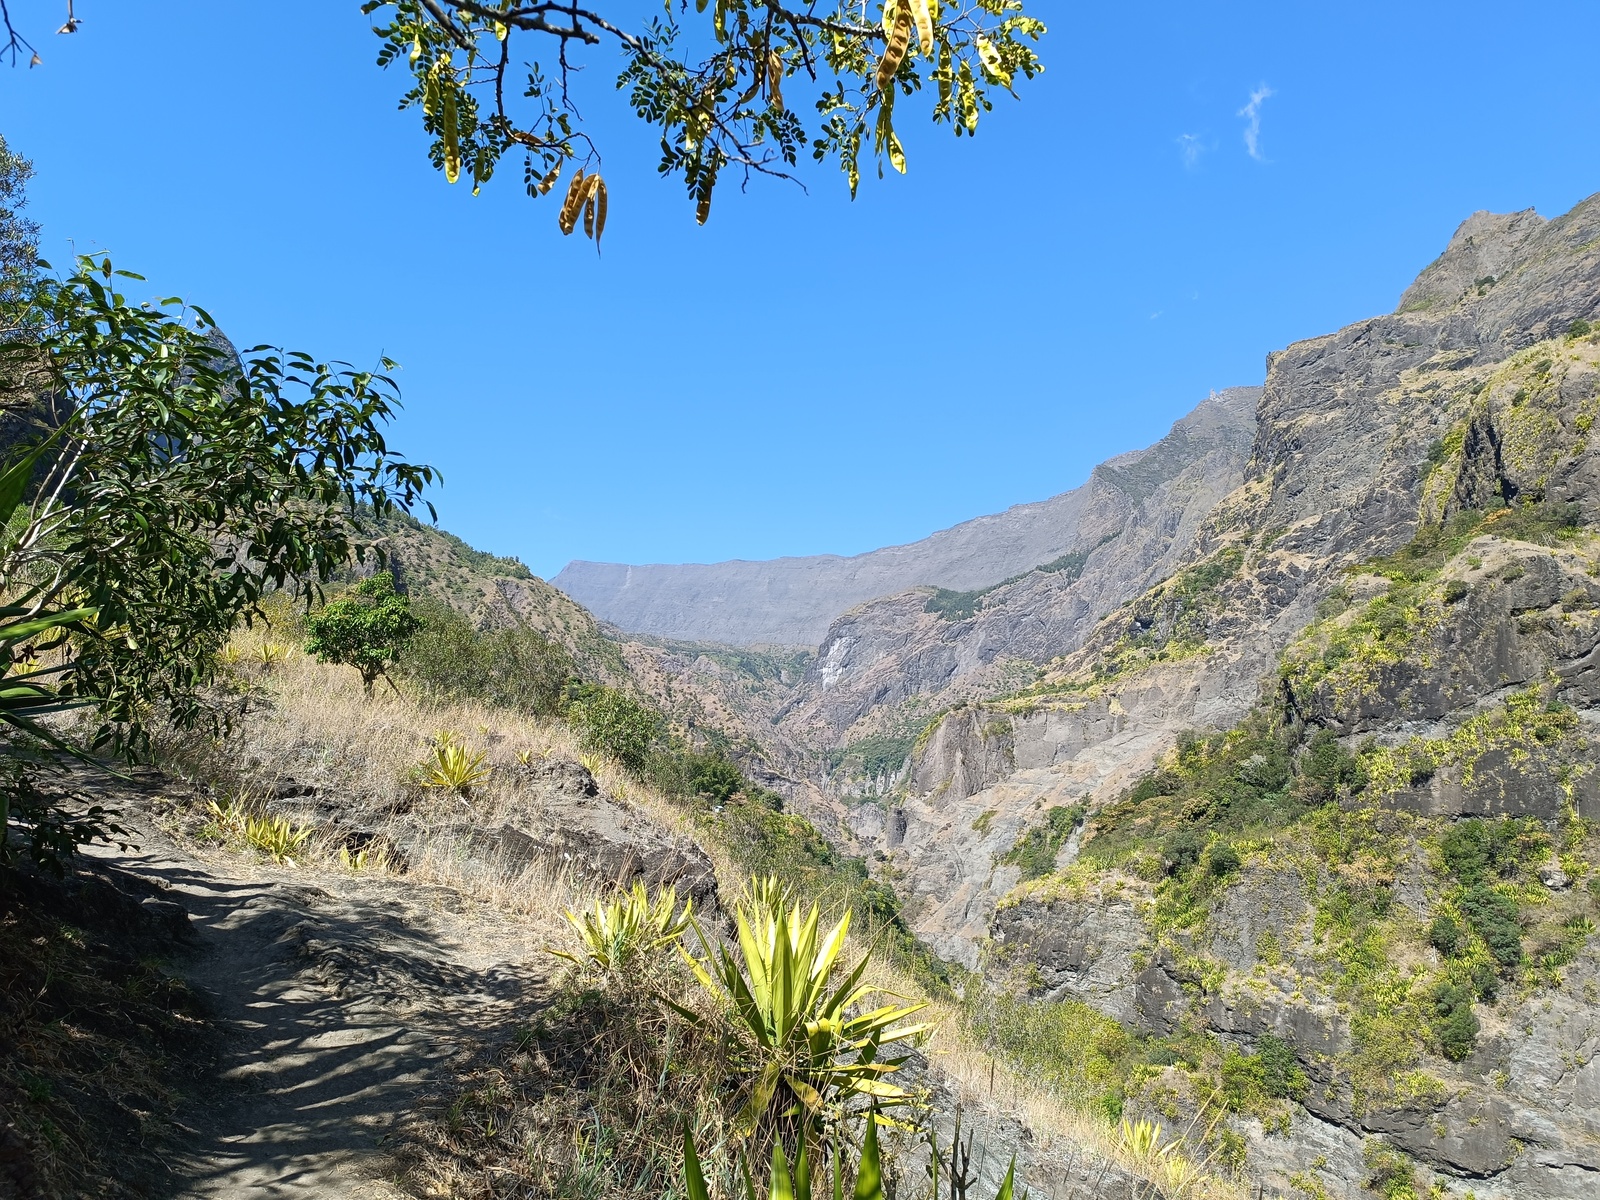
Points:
[[793, 601], [1362, 435], [1313, 813], [892, 662]]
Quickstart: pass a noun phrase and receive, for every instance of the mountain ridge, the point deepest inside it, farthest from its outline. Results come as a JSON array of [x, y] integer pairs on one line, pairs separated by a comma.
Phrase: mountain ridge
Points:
[[792, 601]]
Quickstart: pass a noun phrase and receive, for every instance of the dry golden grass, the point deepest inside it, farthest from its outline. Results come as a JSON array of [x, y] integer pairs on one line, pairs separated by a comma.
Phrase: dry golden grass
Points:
[[316, 717]]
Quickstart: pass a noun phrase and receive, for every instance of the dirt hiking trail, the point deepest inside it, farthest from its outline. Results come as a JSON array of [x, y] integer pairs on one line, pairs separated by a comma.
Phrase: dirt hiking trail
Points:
[[341, 997]]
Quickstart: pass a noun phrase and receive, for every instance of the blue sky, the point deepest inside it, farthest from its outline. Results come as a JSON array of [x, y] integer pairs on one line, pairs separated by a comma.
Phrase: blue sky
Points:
[[805, 374]]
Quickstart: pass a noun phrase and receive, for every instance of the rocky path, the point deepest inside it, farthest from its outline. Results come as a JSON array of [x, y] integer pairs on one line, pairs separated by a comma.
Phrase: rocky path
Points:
[[341, 997]]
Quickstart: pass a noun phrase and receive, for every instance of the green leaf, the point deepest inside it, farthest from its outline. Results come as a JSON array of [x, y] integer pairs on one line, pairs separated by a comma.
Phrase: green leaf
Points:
[[1005, 1188], [694, 1180], [782, 1186], [869, 1178], [26, 629]]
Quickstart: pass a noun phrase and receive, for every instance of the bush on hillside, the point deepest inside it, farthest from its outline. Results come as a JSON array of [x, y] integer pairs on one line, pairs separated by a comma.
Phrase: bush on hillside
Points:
[[1037, 849], [1454, 1024], [512, 667], [1281, 1074], [1493, 917], [1477, 850], [1445, 935], [714, 778], [613, 723]]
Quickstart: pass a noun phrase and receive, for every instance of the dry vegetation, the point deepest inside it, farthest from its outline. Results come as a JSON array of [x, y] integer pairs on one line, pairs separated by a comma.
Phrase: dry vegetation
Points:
[[589, 1099], [96, 1038]]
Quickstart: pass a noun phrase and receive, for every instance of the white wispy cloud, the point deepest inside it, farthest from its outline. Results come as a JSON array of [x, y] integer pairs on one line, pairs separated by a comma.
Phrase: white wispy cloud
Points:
[[1252, 114], [1190, 148]]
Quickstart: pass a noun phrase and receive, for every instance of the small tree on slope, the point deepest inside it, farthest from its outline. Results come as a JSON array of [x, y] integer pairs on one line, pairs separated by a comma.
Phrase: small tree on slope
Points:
[[367, 630]]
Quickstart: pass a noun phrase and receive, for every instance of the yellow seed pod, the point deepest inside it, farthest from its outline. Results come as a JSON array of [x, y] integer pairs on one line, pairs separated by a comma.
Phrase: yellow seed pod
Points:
[[894, 53], [897, 156], [452, 136], [594, 209], [922, 14], [992, 64]]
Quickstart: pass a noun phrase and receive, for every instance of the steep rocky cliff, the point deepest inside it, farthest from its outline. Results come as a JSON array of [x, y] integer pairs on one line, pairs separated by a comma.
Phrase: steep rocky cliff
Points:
[[1313, 814], [886, 666], [791, 601]]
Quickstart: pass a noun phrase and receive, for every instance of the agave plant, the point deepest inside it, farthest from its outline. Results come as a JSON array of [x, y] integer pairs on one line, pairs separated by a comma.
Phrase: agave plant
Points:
[[805, 1040], [270, 654], [275, 836], [797, 1182], [228, 819], [369, 857], [1142, 1144], [454, 768], [631, 923]]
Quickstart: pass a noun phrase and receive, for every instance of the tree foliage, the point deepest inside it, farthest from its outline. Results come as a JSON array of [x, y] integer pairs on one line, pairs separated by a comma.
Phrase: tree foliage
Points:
[[751, 86], [169, 487], [713, 83], [19, 236], [368, 629]]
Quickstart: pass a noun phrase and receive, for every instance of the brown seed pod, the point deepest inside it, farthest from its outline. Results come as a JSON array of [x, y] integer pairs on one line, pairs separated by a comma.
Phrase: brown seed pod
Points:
[[599, 210], [775, 79], [592, 200], [702, 211], [899, 42], [576, 193]]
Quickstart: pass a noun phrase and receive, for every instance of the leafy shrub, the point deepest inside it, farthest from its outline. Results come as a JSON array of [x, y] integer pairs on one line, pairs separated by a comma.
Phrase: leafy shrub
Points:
[[1579, 328], [1036, 850], [1493, 917], [1475, 849], [1183, 849], [1281, 1075], [1157, 783], [612, 722], [1445, 934], [714, 778], [1222, 859], [368, 629], [1243, 1078], [514, 667], [1389, 1172], [1249, 1081], [618, 931], [1454, 1024], [1327, 767], [452, 767], [276, 837]]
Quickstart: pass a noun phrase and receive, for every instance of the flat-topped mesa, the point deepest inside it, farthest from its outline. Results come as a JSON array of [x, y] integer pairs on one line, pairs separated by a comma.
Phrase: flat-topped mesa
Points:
[[792, 601]]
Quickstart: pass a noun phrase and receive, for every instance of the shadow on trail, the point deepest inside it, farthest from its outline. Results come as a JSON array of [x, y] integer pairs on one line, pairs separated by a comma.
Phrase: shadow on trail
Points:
[[336, 1012]]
